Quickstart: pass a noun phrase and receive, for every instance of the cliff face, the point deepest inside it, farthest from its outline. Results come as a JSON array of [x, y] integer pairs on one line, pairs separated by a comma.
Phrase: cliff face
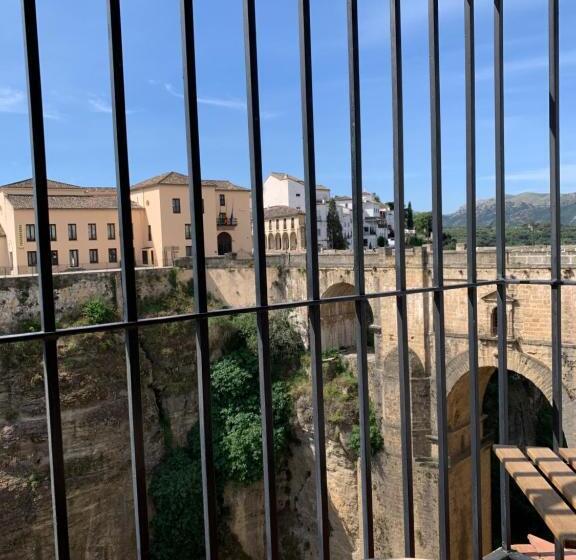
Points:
[[96, 439]]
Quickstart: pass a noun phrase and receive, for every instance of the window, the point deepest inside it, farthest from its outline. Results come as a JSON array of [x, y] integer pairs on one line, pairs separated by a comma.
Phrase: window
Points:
[[111, 231], [30, 232], [188, 250], [73, 257], [188, 231], [92, 232], [297, 194], [112, 255], [72, 233], [52, 232], [32, 258], [93, 256], [149, 233], [54, 258], [222, 200], [284, 223], [277, 224], [494, 322], [144, 257], [292, 223], [176, 206]]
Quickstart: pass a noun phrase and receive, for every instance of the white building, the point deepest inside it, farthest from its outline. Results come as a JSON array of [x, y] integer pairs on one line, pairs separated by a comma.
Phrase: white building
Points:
[[378, 218], [281, 189]]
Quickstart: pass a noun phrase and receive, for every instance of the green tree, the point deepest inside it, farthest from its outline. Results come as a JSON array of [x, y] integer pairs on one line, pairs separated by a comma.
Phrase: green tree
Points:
[[423, 223], [334, 226], [382, 241], [409, 217]]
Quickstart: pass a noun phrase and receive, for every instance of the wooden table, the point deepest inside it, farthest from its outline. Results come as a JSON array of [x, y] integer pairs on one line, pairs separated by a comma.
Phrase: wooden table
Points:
[[548, 480]]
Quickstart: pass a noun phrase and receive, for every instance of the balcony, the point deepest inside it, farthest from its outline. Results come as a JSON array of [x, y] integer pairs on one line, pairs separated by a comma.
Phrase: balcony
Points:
[[341, 405], [226, 222]]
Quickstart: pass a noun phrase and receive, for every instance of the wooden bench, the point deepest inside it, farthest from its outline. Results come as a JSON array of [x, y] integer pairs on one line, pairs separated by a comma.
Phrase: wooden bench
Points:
[[548, 481]]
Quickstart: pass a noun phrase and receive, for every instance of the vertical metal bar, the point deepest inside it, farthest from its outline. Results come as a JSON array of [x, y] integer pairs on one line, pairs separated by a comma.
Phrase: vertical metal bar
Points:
[[400, 253], [438, 265], [200, 289], [45, 282], [501, 265], [128, 279], [359, 281], [475, 410], [259, 239], [312, 280], [555, 241]]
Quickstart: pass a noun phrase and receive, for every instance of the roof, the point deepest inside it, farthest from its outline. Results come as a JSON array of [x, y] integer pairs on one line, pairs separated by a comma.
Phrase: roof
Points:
[[64, 202], [175, 178], [281, 212], [283, 176], [28, 184]]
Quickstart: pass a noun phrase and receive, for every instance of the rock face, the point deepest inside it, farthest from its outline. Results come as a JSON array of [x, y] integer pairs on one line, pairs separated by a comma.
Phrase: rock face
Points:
[[96, 440]]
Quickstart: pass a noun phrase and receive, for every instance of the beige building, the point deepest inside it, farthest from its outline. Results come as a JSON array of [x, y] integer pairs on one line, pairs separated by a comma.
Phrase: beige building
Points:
[[83, 228], [165, 199], [285, 229]]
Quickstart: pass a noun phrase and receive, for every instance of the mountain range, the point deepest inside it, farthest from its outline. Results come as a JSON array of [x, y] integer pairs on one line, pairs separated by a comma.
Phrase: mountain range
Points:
[[521, 209]]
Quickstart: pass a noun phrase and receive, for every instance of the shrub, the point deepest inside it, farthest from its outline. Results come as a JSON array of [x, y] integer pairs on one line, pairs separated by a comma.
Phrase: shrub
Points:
[[376, 440], [178, 526], [97, 311]]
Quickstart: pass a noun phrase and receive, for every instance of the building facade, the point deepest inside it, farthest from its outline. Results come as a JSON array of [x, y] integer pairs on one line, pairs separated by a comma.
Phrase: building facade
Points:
[[84, 230], [166, 202], [282, 189], [285, 229]]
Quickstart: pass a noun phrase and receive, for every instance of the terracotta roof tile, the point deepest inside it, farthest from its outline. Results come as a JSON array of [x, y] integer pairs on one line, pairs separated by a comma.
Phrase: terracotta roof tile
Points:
[[281, 212], [100, 201]]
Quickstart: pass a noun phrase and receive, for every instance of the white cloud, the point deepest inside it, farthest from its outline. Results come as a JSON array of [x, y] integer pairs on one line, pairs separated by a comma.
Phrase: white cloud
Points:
[[100, 105], [231, 103], [538, 178], [12, 100]]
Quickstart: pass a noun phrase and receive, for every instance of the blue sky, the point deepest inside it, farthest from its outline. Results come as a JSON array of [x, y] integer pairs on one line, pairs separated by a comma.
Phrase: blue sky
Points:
[[74, 56]]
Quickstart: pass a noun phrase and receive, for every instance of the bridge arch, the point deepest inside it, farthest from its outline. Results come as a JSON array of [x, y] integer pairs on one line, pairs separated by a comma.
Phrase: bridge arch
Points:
[[523, 371], [339, 319]]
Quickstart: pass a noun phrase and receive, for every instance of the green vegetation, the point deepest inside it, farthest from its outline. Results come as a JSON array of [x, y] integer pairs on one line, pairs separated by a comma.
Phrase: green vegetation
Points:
[[527, 234], [382, 241], [423, 224], [97, 311], [334, 228], [175, 485], [409, 216]]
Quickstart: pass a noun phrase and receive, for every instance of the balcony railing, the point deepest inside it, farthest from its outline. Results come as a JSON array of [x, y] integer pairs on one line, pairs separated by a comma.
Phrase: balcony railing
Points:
[[225, 221], [313, 303]]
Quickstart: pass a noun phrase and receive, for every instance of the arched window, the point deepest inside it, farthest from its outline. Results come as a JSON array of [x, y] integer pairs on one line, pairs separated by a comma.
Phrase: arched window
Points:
[[494, 322]]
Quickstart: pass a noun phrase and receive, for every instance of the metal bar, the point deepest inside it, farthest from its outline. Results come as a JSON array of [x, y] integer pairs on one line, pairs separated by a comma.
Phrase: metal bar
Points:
[[45, 282], [359, 280], [555, 241], [224, 312], [200, 290], [438, 266], [400, 253], [503, 436], [313, 281], [259, 240], [128, 275], [475, 407]]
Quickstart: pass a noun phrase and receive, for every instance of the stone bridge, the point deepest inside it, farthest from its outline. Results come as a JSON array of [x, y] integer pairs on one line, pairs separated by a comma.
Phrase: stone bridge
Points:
[[529, 356], [231, 281]]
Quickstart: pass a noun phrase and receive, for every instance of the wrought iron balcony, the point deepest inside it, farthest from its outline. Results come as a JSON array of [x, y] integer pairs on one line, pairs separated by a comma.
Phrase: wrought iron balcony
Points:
[[225, 222]]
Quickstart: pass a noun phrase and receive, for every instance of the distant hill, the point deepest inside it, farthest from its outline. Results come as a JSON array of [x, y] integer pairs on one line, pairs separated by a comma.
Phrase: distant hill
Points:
[[521, 209]]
